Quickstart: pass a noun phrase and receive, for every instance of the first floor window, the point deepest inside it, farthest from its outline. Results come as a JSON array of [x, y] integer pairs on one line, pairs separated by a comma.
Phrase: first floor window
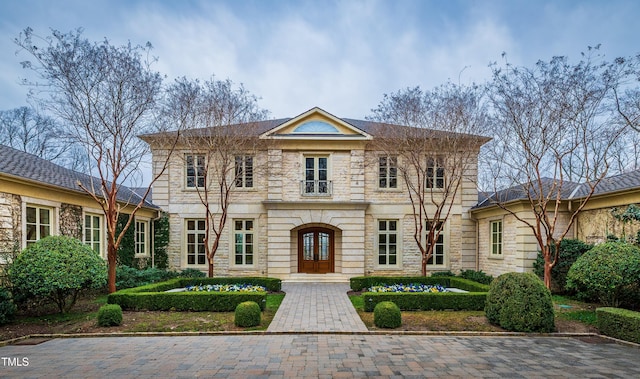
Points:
[[92, 232], [437, 257], [196, 254], [38, 223], [195, 170], [243, 237], [496, 238], [387, 242], [244, 171], [141, 237]]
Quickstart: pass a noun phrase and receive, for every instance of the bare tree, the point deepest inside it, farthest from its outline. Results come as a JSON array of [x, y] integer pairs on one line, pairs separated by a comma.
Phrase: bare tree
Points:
[[434, 152], [554, 132], [107, 96], [222, 144]]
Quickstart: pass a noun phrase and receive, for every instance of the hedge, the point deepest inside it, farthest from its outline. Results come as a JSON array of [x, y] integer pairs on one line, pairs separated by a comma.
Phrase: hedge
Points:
[[619, 323], [154, 297], [416, 301], [360, 283]]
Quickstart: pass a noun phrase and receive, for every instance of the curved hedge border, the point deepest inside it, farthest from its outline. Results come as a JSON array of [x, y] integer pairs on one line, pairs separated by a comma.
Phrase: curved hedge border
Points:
[[153, 296], [619, 323], [471, 301]]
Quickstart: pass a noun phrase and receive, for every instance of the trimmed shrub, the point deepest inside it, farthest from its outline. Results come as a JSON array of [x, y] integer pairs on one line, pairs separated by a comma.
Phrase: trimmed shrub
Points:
[[416, 301], [387, 315], [476, 276], [130, 277], [520, 302], [605, 272], [570, 251], [247, 314], [110, 315], [7, 307], [619, 323], [57, 269], [442, 273]]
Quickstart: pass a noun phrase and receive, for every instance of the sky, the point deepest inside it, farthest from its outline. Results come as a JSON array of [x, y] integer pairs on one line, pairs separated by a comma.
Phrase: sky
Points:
[[341, 56]]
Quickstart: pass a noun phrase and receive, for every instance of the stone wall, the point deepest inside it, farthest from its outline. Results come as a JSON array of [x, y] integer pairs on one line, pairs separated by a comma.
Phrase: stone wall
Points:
[[10, 221], [71, 221]]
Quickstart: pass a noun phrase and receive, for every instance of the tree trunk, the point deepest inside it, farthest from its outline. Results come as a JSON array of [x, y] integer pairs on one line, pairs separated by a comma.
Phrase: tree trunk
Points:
[[210, 273], [547, 268], [112, 255], [424, 265]]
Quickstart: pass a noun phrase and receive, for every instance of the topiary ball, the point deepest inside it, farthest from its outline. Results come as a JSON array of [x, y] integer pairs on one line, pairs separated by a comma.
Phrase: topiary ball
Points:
[[110, 315], [520, 302], [247, 314], [386, 314]]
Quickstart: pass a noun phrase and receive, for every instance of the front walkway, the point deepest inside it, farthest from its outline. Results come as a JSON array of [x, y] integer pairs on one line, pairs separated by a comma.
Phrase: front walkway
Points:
[[316, 307]]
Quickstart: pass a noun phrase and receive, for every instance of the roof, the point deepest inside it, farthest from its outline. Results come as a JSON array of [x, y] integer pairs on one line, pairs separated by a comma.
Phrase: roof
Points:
[[570, 190], [27, 166]]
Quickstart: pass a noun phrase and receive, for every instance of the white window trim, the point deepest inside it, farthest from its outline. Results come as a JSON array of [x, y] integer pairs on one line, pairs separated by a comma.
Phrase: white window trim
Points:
[[399, 239], [445, 247], [185, 254], [147, 237], [491, 254], [244, 188], [103, 229], [303, 173], [184, 172], [34, 202], [232, 243], [398, 187]]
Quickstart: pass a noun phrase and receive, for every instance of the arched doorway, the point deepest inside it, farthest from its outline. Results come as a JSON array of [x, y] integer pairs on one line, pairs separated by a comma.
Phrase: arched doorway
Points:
[[315, 250]]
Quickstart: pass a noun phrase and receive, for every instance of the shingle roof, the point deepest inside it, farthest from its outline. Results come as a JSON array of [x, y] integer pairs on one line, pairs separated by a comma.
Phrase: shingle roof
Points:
[[570, 190], [27, 166]]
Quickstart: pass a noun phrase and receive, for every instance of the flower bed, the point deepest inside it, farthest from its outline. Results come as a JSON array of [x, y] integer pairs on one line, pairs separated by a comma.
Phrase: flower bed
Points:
[[225, 288], [409, 288]]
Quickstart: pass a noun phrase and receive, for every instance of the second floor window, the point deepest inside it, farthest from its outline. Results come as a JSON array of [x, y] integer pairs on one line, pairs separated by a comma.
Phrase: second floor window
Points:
[[388, 172], [195, 171], [316, 174], [434, 175], [244, 171]]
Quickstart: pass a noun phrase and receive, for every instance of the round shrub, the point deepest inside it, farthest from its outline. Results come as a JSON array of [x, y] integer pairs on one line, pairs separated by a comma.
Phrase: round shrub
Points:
[[110, 315], [520, 302], [386, 314], [606, 271], [7, 307], [570, 251], [57, 269], [247, 314]]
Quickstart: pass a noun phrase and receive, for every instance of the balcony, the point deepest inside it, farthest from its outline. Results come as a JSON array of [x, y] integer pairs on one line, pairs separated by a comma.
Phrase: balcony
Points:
[[311, 188]]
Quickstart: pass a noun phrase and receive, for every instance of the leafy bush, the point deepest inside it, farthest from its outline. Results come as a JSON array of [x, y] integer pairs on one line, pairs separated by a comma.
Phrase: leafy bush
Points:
[[442, 273], [570, 250], [606, 271], [619, 323], [387, 315], [7, 307], [520, 302], [129, 277], [416, 301], [476, 276], [57, 269], [110, 315], [247, 314]]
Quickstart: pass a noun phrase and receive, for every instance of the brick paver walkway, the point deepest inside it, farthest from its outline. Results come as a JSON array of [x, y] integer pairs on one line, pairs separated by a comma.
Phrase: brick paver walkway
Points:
[[316, 307], [322, 356]]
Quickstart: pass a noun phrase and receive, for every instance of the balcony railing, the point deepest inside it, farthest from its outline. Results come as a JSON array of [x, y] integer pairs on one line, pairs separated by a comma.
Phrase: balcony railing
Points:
[[316, 187]]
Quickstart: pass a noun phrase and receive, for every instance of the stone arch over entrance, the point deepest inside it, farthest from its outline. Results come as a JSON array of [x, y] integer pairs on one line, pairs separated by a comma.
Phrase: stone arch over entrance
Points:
[[316, 248]]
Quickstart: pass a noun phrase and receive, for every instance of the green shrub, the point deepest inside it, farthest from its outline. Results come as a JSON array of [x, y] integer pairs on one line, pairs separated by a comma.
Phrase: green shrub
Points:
[[130, 277], [57, 269], [110, 315], [7, 307], [387, 315], [520, 302], [606, 271], [442, 273], [476, 276], [570, 251], [416, 301], [247, 314], [619, 323]]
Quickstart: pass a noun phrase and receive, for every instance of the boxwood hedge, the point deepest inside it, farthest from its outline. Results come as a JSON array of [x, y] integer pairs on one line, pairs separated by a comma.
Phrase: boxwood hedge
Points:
[[154, 297], [472, 300], [619, 323]]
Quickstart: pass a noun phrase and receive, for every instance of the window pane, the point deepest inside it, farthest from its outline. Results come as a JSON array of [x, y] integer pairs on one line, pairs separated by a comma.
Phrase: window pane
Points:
[[238, 225], [382, 259], [248, 225], [382, 225], [31, 215]]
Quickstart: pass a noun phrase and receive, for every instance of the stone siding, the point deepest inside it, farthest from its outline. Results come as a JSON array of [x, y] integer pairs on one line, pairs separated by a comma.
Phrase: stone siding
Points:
[[10, 223]]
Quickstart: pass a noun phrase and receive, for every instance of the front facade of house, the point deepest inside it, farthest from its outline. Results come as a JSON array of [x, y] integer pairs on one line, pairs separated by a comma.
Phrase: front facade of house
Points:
[[317, 204], [40, 199]]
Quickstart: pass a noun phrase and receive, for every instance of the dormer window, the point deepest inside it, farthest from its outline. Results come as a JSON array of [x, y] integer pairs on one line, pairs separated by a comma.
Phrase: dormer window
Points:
[[316, 127]]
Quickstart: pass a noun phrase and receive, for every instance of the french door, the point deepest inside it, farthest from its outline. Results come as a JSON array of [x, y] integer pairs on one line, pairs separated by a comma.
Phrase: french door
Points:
[[315, 250]]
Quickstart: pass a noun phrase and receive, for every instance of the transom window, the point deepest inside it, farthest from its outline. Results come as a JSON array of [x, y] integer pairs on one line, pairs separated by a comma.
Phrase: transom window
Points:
[[38, 223], [316, 176], [195, 171], [388, 172], [244, 171], [496, 238], [93, 232], [243, 236], [434, 175], [437, 258], [141, 237], [196, 254], [388, 242]]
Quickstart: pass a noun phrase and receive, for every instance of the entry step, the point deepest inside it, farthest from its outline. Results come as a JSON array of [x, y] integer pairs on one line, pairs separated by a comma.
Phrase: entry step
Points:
[[317, 278]]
